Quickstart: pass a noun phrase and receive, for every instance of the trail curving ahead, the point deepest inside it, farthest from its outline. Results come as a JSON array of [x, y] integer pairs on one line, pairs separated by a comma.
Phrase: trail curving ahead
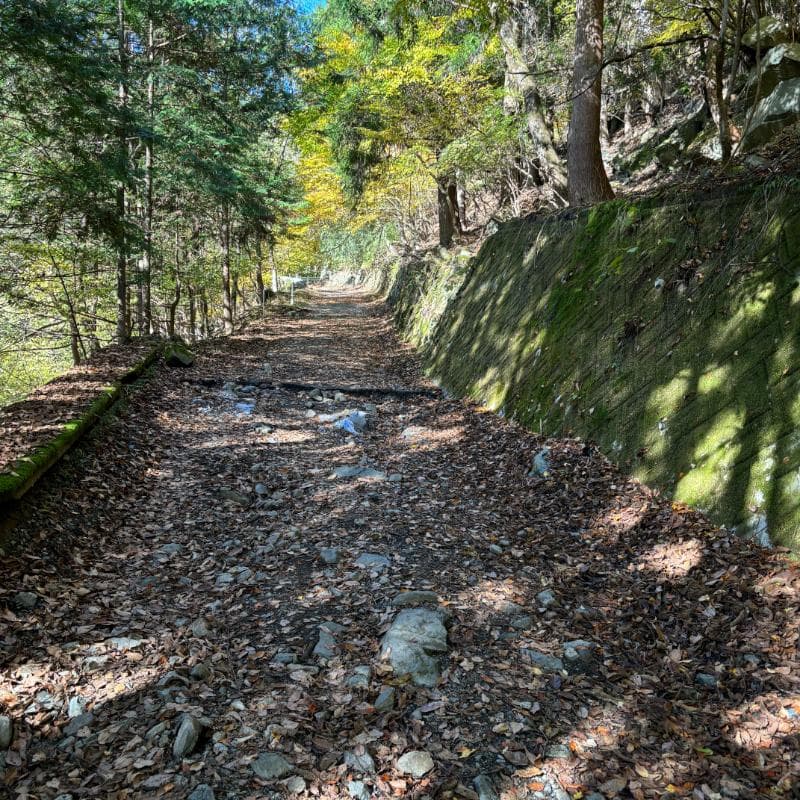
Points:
[[174, 571]]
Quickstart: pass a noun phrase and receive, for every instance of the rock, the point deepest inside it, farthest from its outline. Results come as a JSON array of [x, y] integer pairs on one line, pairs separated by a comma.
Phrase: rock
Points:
[[766, 33], [579, 655], [6, 732], [414, 645], [361, 762], [296, 784], [326, 646], [360, 678], [348, 471], [330, 555], [781, 63], [485, 788], [270, 766], [200, 629], [171, 548], [372, 561], [338, 397], [178, 355], [496, 549], [540, 468], [415, 762], [522, 623], [558, 751], [224, 578], [234, 497], [704, 679], [187, 737], [260, 489], [202, 792], [543, 661], [75, 707], [670, 149], [284, 658], [545, 599], [125, 643], [25, 601], [415, 598], [385, 700], [775, 112], [357, 790]]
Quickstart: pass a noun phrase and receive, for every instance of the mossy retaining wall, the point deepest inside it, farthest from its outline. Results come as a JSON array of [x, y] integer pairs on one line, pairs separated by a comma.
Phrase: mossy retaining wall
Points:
[[666, 330]]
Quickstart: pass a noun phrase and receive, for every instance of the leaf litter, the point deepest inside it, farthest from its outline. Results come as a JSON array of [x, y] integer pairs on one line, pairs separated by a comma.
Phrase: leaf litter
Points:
[[170, 596]]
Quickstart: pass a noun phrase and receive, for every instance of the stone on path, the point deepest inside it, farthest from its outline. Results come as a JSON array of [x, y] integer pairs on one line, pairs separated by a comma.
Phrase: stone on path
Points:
[[545, 598], [6, 732], [330, 555], [178, 355], [385, 700], [296, 784], [360, 678], [26, 601], [412, 598], [361, 762], [202, 792], [187, 737], [543, 661], [269, 766], [414, 645], [372, 561], [358, 790], [351, 471], [485, 788], [326, 645], [579, 655], [415, 762]]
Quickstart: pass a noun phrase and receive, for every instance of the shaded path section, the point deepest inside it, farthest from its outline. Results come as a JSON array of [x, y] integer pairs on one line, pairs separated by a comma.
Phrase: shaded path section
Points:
[[174, 568]]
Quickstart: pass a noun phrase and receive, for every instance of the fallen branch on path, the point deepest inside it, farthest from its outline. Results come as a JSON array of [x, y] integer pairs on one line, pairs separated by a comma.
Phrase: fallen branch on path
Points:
[[359, 391]]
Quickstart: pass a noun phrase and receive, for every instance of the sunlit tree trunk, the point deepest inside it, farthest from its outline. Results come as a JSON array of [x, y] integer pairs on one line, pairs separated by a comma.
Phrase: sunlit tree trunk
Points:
[[588, 182], [225, 244]]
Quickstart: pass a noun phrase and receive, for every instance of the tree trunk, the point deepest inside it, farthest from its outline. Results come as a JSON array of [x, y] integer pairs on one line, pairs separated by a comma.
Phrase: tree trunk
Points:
[[122, 252], [520, 81], [173, 307], [259, 274], [225, 244], [273, 267], [588, 182], [192, 313], [147, 257], [446, 227], [718, 80]]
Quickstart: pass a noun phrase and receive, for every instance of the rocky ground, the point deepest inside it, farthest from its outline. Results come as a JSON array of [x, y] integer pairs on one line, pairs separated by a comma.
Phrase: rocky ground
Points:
[[226, 593]]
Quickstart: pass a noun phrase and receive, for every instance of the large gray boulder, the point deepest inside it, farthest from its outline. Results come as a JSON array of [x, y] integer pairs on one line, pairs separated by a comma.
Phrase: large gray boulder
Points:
[[781, 63], [415, 643], [766, 33], [773, 114]]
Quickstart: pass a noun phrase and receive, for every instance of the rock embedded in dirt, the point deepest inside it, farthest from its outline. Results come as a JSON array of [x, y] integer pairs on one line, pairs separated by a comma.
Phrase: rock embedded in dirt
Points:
[[187, 736], [296, 785], [358, 790], [704, 679], [579, 655], [415, 762], [270, 766], [6, 732], [360, 678], [385, 700], [545, 599], [200, 629], [485, 788], [414, 597], [25, 601], [521, 623], [330, 555], [350, 471], [372, 561], [543, 661], [415, 644], [360, 762], [200, 672], [326, 646], [202, 792]]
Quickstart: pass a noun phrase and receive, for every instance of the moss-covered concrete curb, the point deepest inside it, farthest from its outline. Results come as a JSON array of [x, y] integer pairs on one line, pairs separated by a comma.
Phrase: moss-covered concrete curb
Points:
[[28, 469], [665, 329]]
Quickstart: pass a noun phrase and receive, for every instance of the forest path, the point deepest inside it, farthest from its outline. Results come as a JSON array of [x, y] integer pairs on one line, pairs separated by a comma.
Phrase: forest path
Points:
[[177, 569]]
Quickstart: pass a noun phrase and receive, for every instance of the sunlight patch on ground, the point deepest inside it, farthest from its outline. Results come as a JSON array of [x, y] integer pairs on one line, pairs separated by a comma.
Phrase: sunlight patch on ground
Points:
[[764, 722], [672, 559]]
